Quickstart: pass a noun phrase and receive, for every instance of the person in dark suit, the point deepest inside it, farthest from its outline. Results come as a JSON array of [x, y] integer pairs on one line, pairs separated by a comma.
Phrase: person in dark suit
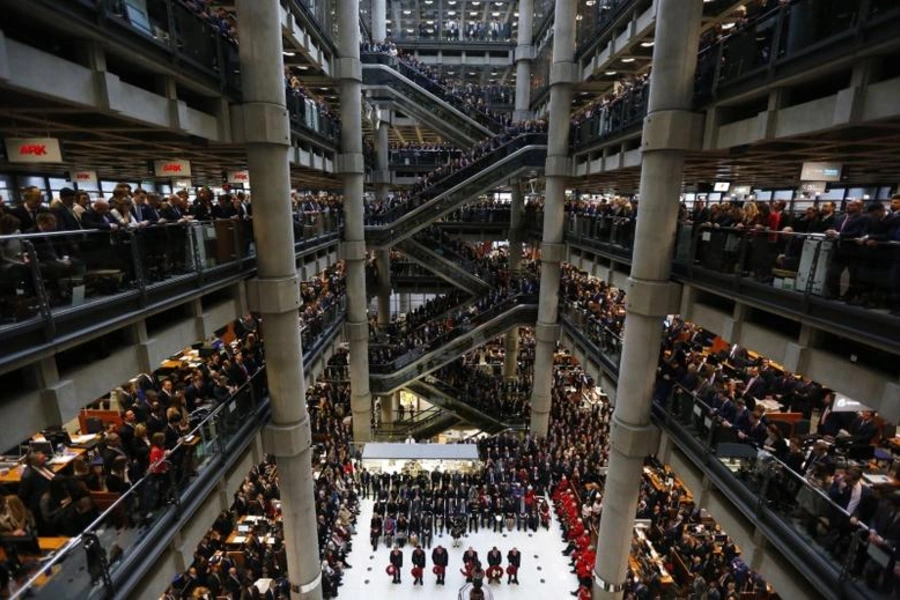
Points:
[[54, 264], [884, 532], [142, 212], [830, 422], [862, 430], [35, 481], [848, 232], [514, 558], [66, 217], [32, 206], [418, 560], [494, 558], [98, 217], [440, 558], [754, 388], [396, 559]]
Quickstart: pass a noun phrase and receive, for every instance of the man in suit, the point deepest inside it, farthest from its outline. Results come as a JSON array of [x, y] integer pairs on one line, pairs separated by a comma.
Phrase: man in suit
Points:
[[754, 388], [494, 558], [440, 558], [66, 217], [863, 428], [847, 233], [98, 217], [396, 560], [141, 210], [831, 423], [53, 262], [32, 205], [418, 561], [35, 480], [224, 208], [514, 558]]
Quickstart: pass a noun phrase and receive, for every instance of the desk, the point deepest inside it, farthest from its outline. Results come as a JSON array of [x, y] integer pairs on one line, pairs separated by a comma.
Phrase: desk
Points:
[[660, 486], [55, 464], [52, 544], [771, 406]]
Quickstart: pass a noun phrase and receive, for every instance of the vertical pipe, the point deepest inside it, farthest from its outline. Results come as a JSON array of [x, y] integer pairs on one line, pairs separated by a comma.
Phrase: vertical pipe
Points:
[[379, 20], [383, 266], [350, 165], [511, 346], [556, 171], [523, 58], [277, 295], [671, 92]]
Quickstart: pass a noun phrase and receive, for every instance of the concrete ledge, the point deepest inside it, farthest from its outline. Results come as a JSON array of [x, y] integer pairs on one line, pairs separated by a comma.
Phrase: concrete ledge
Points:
[[287, 440], [274, 296], [265, 123], [653, 299]]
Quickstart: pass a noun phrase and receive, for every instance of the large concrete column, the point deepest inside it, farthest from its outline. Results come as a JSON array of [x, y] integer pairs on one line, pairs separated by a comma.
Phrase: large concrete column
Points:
[[404, 303], [379, 20], [275, 293], [524, 56], [556, 171], [382, 257], [650, 293], [383, 266], [511, 345], [352, 170]]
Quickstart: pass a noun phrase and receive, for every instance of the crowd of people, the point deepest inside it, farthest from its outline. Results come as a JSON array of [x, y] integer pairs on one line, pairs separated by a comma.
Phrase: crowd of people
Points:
[[625, 105], [311, 109], [222, 20], [464, 96]]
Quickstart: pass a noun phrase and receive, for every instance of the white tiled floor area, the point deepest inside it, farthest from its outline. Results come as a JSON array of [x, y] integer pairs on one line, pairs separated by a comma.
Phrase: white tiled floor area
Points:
[[544, 573]]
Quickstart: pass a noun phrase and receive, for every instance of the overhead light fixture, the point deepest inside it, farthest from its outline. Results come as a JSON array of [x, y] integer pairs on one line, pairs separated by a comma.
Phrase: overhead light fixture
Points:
[[472, 73], [303, 67], [388, 21], [728, 25], [289, 53], [430, 22], [451, 12], [647, 44], [496, 14], [628, 60], [609, 73], [474, 13], [451, 2], [407, 12]]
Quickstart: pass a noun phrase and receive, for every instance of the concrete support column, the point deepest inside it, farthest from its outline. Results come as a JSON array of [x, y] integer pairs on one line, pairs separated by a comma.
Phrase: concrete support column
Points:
[[524, 56], [556, 172], [404, 303], [511, 345], [389, 405], [275, 293], [379, 20], [351, 167], [383, 266], [649, 298]]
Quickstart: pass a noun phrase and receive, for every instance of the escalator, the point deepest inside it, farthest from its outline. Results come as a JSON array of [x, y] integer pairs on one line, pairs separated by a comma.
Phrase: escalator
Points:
[[517, 311], [522, 155], [387, 79], [441, 394], [450, 271], [425, 424]]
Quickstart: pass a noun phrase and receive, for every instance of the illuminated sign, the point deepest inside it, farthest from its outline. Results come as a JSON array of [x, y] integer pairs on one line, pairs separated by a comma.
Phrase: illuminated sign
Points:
[[172, 168], [820, 171], [85, 179], [235, 177], [33, 150]]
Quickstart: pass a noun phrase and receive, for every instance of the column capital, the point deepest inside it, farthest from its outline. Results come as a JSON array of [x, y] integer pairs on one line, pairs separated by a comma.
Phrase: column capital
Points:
[[636, 441], [524, 52], [350, 164], [352, 250], [287, 440], [672, 130], [265, 123], [347, 68], [546, 332], [552, 252], [274, 295], [652, 298], [563, 71]]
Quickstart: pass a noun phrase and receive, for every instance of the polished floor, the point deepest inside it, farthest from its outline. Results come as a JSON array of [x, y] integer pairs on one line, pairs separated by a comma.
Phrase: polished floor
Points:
[[544, 573]]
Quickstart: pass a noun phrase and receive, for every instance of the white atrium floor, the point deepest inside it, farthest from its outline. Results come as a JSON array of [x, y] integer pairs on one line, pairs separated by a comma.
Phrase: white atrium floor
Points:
[[545, 572]]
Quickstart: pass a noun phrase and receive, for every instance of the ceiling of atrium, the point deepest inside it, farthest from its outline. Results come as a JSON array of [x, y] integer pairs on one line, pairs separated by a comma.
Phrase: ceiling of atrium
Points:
[[423, 20]]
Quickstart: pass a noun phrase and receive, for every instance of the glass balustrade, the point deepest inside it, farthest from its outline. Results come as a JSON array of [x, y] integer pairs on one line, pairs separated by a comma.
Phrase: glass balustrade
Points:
[[88, 565]]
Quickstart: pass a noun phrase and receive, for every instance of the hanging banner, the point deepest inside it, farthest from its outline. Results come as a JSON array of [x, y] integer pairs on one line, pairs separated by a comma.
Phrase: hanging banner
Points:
[[86, 179], [238, 177], [172, 168], [33, 150]]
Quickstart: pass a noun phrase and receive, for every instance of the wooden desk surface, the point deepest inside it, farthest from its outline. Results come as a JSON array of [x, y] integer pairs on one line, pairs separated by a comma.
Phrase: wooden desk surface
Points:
[[14, 475], [52, 544]]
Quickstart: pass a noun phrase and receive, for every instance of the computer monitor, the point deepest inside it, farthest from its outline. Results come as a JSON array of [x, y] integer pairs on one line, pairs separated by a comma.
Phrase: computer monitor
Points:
[[45, 447]]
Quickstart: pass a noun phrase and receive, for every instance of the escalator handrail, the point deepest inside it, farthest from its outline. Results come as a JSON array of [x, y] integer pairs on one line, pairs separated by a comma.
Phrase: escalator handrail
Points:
[[515, 148]]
